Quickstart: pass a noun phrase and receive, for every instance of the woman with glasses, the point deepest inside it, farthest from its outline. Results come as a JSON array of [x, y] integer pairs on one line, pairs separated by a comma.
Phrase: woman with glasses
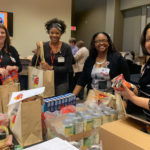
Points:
[[103, 64]]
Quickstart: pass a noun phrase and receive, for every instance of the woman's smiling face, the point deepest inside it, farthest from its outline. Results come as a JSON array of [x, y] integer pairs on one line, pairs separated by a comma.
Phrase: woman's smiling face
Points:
[[54, 35], [101, 43]]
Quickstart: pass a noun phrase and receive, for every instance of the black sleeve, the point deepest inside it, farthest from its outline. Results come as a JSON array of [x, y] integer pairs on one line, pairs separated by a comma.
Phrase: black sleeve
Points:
[[85, 76], [68, 62], [124, 68], [16, 56], [34, 61]]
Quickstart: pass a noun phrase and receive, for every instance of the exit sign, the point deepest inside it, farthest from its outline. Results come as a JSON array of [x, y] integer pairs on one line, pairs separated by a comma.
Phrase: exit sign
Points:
[[73, 28]]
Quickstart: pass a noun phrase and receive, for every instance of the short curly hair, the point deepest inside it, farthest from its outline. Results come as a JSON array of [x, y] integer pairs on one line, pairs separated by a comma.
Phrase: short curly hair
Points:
[[49, 24]]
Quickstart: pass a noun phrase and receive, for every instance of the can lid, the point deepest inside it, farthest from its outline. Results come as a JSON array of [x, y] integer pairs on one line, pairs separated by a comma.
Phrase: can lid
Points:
[[113, 111], [107, 113]]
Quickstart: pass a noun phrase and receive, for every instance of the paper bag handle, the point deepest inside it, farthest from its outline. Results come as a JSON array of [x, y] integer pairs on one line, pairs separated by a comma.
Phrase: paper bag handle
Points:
[[40, 53]]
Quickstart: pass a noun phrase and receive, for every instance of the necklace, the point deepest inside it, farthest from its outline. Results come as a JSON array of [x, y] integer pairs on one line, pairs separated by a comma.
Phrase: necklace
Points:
[[55, 49], [100, 63]]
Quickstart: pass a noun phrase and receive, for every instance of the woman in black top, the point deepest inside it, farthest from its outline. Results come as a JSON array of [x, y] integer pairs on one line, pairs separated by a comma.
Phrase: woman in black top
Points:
[[57, 54], [9, 58], [143, 98], [103, 64]]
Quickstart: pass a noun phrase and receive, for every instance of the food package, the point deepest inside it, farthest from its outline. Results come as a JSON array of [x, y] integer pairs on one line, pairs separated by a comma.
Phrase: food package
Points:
[[117, 83]]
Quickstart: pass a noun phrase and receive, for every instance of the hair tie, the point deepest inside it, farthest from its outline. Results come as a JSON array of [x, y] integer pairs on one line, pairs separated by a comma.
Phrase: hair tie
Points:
[[56, 25]]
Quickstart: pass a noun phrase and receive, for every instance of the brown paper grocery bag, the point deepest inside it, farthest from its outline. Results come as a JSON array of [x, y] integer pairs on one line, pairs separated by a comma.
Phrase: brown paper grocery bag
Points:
[[38, 78], [5, 92], [93, 98], [27, 127]]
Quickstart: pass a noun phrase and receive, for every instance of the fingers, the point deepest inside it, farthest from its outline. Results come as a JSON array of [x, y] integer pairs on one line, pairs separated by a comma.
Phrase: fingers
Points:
[[4, 73]]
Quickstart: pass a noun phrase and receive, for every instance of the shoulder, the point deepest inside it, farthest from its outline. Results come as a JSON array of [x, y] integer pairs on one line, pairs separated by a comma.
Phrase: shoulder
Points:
[[65, 45], [114, 56], [46, 43], [12, 49]]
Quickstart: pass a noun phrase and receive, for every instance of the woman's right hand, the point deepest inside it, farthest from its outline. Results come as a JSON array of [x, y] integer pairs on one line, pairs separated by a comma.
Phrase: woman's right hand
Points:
[[4, 72]]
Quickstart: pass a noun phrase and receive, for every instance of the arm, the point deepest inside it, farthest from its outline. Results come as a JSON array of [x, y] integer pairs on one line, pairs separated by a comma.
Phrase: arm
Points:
[[77, 89], [139, 101], [124, 68], [78, 55], [17, 66]]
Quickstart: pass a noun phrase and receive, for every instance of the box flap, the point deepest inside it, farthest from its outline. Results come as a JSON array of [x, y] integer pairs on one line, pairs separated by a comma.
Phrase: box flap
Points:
[[124, 134]]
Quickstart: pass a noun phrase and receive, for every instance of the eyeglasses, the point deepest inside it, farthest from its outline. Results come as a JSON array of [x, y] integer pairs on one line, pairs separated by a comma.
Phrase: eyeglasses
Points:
[[101, 41], [147, 40]]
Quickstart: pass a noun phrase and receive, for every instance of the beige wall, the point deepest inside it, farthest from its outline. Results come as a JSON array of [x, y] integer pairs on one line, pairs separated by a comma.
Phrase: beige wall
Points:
[[90, 21], [29, 19]]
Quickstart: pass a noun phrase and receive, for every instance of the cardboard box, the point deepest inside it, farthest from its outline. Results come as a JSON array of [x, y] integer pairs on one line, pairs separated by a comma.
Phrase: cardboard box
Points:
[[124, 134]]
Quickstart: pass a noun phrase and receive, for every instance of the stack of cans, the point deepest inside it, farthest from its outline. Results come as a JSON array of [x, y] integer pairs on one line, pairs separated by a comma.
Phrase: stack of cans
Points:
[[56, 103]]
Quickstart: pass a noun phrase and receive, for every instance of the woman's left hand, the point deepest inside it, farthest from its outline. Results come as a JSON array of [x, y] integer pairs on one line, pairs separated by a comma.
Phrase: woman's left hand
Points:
[[10, 68], [46, 66], [126, 93]]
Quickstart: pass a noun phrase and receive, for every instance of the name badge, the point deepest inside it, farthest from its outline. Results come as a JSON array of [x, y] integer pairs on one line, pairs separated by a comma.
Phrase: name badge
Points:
[[13, 59], [104, 71], [61, 59]]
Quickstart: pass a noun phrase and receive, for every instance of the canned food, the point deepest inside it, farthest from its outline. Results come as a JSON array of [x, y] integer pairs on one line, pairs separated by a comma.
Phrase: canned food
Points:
[[68, 127], [88, 121], [106, 117], [113, 115], [97, 120]]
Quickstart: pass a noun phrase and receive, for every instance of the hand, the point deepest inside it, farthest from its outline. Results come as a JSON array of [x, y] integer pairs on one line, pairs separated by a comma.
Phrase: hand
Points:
[[46, 66], [10, 68], [126, 93], [4, 72], [35, 51]]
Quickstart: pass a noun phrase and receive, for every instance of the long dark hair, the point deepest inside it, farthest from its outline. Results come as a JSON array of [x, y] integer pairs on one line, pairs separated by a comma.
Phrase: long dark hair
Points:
[[93, 51], [143, 39], [7, 41]]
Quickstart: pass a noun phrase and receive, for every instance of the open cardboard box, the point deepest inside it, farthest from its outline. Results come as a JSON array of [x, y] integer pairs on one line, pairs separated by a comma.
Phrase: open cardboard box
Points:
[[124, 134]]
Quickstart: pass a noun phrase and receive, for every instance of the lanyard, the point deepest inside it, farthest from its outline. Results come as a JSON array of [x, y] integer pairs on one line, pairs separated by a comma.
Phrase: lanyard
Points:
[[52, 59], [52, 55]]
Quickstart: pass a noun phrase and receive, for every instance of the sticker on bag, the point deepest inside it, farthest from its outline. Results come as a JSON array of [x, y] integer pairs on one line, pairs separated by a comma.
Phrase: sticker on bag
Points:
[[37, 79]]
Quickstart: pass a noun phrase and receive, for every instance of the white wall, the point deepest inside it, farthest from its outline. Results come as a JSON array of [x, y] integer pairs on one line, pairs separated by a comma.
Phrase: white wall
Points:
[[126, 4], [132, 30], [30, 17]]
